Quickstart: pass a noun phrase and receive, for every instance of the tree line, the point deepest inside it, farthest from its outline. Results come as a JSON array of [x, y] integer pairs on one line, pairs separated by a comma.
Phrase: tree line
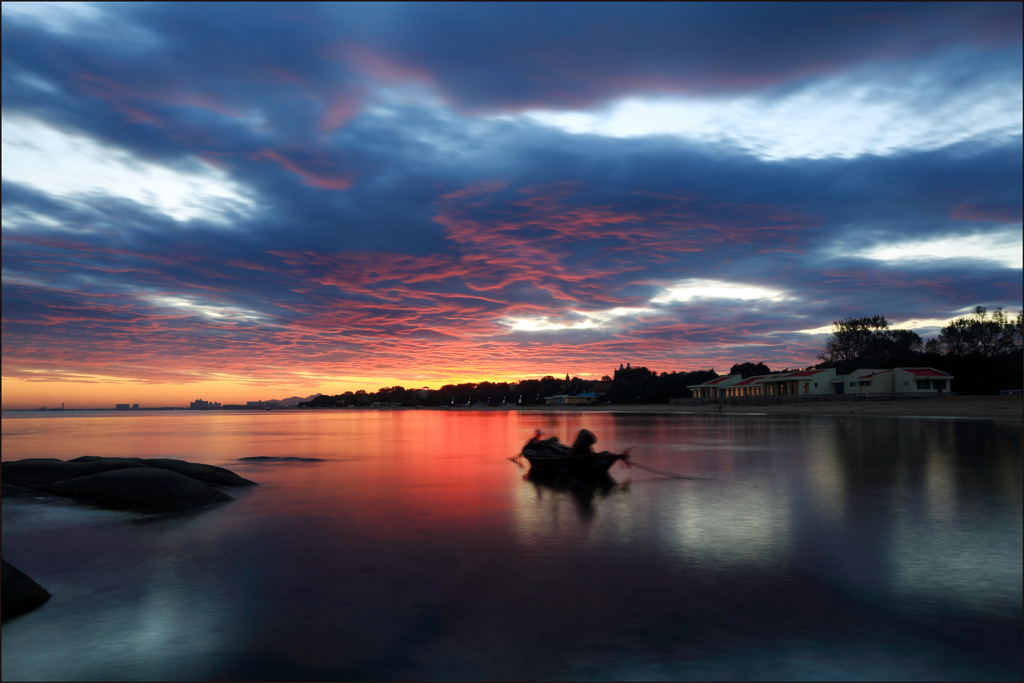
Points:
[[983, 352], [626, 385]]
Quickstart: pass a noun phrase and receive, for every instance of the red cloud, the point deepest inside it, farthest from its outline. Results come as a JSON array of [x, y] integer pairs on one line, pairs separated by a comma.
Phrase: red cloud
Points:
[[338, 109], [311, 178], [552, 218], [129, 96], [379, 65], [986, 213]]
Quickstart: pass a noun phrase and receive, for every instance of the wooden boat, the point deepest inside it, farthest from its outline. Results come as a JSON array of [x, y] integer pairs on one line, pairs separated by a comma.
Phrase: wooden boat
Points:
[[551, 455]]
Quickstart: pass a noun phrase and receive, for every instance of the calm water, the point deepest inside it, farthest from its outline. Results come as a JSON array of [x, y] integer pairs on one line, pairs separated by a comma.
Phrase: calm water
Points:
[[809, 548]]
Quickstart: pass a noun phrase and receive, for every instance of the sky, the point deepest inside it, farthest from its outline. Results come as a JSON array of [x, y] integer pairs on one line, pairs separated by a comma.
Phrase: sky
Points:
[[249, 201]]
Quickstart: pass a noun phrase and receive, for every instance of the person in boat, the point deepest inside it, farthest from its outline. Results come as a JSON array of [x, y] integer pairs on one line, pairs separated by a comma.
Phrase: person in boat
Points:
[[583, 445]]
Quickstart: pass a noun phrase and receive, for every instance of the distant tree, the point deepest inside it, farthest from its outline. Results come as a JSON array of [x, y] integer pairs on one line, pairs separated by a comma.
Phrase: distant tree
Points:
[[904, 341], [853, 338], [901, 348], [982, 334], [395, 394], [982, 351], [458, 394], [632, 385], [749, 369], [550, 386], [321, 401], [868, 342], [671, 385], [492, 393]]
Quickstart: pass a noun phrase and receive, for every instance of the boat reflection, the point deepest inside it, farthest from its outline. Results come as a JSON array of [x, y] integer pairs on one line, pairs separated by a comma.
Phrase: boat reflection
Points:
[[582, 488]]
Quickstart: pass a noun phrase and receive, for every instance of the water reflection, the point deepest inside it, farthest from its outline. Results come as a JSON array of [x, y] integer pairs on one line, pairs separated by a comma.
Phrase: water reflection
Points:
[[582, 489], [413, 549]]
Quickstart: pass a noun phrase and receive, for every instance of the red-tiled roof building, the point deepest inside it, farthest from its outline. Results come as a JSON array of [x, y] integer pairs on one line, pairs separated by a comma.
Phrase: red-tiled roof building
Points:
[[821, 382]]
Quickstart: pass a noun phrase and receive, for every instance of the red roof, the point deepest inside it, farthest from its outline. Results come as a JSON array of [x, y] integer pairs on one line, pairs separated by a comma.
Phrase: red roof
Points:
[[925, 372], [795, 373], [803, 373]]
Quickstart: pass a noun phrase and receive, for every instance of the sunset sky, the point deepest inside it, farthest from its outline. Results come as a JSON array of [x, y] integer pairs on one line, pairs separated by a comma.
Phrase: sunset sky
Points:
[[249, 201]]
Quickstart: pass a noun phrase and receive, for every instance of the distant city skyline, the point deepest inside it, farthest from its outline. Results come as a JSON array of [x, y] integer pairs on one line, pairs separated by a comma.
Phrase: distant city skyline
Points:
[[271, 199]]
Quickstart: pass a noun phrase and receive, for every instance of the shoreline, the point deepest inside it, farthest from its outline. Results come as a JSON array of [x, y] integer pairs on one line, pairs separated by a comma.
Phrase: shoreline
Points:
[[964, 407], [1006, 408]]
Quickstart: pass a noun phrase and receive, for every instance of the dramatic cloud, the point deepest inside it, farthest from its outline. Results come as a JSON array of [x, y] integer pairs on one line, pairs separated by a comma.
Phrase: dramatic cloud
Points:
[[315, 197]]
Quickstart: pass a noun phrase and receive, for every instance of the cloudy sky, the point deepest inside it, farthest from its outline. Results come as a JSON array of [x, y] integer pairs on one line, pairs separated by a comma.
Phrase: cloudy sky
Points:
[[235, 201]]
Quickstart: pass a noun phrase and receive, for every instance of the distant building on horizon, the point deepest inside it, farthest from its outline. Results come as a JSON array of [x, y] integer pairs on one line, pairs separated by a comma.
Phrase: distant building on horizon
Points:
[[587, 399], [200, 404]]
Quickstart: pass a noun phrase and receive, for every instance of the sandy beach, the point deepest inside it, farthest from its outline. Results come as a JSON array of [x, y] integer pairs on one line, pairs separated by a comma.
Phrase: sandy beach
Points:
[[976, 407]]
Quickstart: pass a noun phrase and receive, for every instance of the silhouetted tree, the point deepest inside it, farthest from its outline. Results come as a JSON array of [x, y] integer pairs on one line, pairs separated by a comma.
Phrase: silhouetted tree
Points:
[[981, 334], [868, 342], [982, 351], [631, 385], [749, 369], [396, 394]]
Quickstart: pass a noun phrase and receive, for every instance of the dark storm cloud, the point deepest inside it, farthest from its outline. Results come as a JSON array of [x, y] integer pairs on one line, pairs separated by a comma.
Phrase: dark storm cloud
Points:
[[573, 55], [309, 68]]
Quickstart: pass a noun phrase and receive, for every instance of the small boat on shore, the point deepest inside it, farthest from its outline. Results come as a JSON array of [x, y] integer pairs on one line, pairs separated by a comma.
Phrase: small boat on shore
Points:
[[551, 455]]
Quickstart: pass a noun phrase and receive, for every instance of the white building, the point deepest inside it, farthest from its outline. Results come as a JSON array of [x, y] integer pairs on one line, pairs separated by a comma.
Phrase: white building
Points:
[[799, 383], [921, 380], [916, 381], [587, 399], [715, 388], [865, 381]]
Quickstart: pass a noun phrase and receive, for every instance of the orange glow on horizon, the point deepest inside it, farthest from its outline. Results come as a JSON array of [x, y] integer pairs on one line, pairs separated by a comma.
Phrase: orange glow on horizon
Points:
[[105, 391], [21, 394]]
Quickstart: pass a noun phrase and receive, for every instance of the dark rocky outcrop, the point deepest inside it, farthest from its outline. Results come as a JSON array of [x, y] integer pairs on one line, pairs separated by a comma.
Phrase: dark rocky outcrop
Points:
[[33, 472], [143, 488], [211, 474], [157, 485], [12, 491], [18, 592]]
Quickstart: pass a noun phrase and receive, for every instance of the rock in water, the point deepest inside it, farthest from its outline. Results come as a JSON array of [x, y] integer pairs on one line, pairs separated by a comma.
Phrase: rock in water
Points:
[[18, 592], [149, 489], [33, 472], [210, 474]]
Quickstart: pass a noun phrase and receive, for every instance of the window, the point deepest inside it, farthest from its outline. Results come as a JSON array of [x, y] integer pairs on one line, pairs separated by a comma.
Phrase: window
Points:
[[922, 384], [853, 384], [865, 383]]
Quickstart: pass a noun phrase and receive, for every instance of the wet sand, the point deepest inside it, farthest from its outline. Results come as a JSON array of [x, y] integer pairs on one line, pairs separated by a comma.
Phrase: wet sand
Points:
[[976, 407]]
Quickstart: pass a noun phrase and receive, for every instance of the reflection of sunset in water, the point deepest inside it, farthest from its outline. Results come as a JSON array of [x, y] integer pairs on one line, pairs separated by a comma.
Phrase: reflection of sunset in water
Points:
[[418, 532]]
